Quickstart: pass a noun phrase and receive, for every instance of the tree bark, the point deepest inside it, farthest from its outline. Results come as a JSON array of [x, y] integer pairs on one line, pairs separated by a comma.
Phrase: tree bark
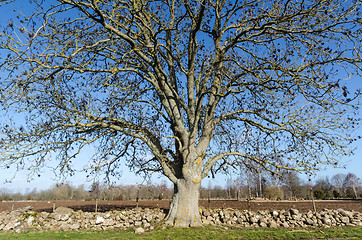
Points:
[[184, 208]]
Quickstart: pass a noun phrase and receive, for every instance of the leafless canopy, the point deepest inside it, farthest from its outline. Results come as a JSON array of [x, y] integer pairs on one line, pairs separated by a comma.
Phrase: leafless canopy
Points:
[[174, 85]]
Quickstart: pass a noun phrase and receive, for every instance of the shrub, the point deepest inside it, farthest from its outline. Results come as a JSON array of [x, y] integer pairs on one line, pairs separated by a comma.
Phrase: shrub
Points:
[[319, 194], [336, 194], [273, 193], [120, 197]]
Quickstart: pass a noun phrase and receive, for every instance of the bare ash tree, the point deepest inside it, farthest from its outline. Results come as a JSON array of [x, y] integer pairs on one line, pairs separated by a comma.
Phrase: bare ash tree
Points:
[[182, 87]]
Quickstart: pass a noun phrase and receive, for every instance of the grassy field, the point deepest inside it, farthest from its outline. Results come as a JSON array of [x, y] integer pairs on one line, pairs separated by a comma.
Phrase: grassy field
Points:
[[200, 233]]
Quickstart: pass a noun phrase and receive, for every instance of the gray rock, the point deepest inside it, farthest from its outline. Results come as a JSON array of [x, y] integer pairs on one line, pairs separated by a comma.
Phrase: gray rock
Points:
[[327, 221], [264, 220], [75, 226], [11, 225], [62, 217], [309, 215], [19, 229], [275, 213], [347, 214], [206, 213], [63, 211], [139, 230], [126, 224], [237, 214], [297, 217], [285, 224], [44, 215], [309, 221], [108, 222], [253, 220], [99, 219], [30, 220], [262, 224], [294, 211], [272, 224], [149, 218]]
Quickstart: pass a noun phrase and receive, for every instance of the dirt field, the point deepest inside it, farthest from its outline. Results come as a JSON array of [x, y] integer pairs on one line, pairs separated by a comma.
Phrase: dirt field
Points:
[[103, 206]]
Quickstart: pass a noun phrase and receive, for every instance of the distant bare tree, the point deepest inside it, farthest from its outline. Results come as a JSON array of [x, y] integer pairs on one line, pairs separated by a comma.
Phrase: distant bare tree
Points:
[[351, 182], [96, 190], [338, 181], [294, 183]]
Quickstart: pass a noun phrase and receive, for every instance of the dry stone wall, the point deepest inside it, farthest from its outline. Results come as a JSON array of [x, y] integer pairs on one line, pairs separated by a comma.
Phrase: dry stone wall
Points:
[[284, 218], [66, 219]]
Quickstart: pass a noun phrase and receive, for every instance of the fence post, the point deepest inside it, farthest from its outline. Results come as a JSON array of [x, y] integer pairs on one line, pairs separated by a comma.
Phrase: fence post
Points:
[[208, 198], [138, 195], [312, 194]]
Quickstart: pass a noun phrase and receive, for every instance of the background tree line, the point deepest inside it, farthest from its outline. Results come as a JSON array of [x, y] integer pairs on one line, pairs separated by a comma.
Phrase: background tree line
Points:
[[291, 186], [250, 186]]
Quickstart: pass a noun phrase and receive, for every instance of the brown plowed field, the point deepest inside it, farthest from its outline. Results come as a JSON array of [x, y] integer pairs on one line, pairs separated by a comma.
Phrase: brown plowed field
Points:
[[255, 205]]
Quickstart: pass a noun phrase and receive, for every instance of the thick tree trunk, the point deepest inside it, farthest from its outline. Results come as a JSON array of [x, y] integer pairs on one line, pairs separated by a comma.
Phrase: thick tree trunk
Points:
[[184, 209]]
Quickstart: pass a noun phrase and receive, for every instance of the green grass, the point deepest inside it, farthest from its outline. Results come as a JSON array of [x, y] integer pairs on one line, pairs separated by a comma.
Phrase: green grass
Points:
[[199, 233]]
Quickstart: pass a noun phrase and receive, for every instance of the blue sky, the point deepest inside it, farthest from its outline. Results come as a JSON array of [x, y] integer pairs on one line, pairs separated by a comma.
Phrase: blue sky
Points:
[[47, 179]]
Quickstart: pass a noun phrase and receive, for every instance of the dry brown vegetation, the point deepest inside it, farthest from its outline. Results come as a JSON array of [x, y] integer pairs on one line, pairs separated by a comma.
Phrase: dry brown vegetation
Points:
[[255, 205]]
